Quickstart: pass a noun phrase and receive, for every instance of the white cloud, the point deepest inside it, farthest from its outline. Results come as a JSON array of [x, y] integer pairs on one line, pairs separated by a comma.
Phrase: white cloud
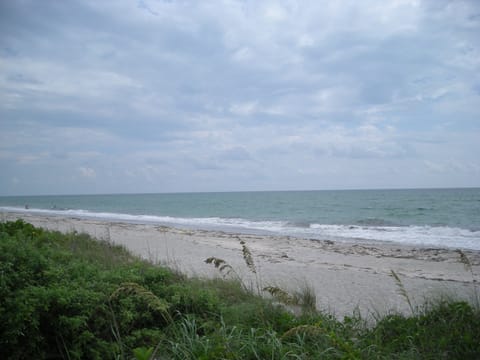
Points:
[[275, 12], [306, 41], [243, 109], [50, 81], [243, 54], [87, 172]]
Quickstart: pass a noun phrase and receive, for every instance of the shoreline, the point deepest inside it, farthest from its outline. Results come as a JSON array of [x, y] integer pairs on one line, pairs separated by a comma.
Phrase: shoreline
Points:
[[345, 276], [366, 229]]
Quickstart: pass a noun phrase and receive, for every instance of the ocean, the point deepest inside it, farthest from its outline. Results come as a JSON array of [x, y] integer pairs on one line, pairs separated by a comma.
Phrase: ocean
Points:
[[427, 217]]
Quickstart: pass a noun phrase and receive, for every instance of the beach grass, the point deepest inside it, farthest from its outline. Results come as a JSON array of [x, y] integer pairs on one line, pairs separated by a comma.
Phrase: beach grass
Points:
[[69, 296]]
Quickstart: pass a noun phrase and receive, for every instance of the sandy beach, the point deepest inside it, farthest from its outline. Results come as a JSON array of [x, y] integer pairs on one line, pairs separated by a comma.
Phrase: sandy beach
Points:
[[345, 276]]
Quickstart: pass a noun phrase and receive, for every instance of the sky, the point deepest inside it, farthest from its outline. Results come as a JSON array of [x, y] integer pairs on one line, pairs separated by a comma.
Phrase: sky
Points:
[[127, 96]]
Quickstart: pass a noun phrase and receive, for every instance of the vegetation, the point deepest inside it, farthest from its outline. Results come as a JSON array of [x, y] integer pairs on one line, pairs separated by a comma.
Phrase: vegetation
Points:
[[73, 297]]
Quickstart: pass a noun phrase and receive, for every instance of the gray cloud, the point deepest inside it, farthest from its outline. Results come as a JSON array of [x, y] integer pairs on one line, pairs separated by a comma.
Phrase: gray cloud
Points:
[[237, 95]]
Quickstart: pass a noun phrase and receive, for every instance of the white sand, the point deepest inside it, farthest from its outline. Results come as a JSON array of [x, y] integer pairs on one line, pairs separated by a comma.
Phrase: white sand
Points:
[[345, 276]]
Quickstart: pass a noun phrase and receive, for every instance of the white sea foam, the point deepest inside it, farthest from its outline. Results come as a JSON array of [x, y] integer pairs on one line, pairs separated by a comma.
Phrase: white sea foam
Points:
[[441, 236]]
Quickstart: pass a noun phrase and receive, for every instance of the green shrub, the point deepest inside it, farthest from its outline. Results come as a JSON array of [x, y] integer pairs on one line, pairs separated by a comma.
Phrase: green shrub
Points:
[[448, 330]]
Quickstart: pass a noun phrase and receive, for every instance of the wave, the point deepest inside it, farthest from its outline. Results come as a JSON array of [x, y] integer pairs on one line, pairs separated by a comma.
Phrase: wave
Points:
[[209, 222], [366, 231], [440, 236], [376, 222]]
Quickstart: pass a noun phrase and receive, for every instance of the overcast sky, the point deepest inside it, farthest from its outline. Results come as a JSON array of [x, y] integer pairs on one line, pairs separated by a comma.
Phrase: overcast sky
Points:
[[172, 96]]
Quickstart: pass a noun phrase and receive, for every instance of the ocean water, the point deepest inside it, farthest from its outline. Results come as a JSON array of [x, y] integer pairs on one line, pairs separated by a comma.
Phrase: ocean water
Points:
[[428, 217]]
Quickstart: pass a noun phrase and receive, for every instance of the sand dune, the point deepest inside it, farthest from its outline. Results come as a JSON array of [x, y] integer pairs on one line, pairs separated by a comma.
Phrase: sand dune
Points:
[[345, 276]]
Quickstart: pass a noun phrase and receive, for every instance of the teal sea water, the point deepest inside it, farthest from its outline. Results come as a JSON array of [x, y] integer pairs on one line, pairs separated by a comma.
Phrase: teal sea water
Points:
[[430, 217]]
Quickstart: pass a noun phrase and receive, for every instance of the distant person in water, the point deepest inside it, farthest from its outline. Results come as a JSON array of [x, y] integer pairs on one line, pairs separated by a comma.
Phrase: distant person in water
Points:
[[26, 206]]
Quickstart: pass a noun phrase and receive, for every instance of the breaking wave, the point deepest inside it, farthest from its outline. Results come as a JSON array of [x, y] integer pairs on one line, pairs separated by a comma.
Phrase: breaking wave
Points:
[[363, 231]]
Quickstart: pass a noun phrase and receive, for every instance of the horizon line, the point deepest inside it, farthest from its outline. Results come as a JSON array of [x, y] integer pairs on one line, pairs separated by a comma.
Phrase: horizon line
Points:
[[244, 191]]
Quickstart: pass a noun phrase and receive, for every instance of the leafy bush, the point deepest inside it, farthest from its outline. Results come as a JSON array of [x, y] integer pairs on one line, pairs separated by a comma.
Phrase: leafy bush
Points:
[[55, 295]]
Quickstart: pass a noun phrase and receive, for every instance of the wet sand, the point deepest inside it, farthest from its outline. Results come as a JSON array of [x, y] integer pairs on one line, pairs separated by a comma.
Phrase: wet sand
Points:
[[345, 276]]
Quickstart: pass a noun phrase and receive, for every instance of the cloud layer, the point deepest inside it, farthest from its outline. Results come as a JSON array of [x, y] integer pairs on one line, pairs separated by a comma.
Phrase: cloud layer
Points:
[[162, 96]]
